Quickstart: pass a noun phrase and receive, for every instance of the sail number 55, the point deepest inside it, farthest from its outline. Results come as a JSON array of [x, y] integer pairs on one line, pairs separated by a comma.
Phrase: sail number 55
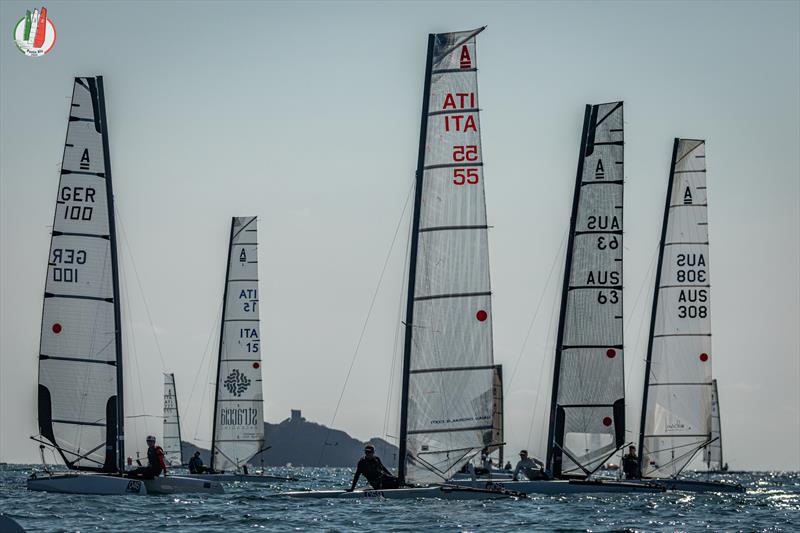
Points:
[[465, 175]]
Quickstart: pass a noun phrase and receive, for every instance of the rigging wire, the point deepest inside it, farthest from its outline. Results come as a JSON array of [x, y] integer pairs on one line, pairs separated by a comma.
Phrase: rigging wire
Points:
[[397, 342], [546, 286], [205, 362], [366, 321], [141, 290]]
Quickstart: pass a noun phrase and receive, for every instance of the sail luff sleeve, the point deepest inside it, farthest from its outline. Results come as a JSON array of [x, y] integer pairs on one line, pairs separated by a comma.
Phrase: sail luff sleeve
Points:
[[78, 353], [239, 410], [589, 411], [451, 372], [678, 408]]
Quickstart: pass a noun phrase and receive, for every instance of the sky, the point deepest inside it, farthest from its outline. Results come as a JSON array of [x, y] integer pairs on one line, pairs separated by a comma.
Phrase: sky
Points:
[[307, 115]]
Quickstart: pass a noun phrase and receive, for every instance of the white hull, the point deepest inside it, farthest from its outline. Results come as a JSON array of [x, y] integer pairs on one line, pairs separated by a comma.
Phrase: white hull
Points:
[[691, 485], [449, 492], [500, 475], [87, 484], [563, 486], [230, 478], [182, 484]]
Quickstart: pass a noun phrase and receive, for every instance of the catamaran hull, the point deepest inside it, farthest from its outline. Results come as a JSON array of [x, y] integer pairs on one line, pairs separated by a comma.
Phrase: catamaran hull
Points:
[[182, 484], [87, 484], [250, 478], [559, 486], [691, 485], [445, 493]]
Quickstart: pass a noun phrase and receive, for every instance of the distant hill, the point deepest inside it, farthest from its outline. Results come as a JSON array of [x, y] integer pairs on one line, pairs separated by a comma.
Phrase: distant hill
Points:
[[303, 443]]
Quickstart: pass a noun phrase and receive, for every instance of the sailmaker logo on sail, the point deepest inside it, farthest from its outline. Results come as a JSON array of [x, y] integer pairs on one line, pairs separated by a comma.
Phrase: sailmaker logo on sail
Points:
[[34, 33]]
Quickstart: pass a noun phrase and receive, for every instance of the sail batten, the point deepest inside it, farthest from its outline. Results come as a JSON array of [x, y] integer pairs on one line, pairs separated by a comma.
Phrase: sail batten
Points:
[[587, 412], [238, 432], [447, 400], [677, 399], [80, 401]]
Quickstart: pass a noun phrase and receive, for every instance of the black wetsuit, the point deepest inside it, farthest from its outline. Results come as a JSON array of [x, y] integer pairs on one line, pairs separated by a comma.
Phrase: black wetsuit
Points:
[[196, 466], [630, 465], [377, 475], [154, 464]]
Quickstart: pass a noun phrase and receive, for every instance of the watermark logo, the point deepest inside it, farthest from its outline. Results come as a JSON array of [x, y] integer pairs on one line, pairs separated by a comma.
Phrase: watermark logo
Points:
[[35, 34]]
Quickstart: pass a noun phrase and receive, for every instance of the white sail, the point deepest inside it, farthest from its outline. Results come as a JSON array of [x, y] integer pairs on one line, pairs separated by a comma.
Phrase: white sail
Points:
[[677, 406], [587, 421], [171, 439], [450, 366], [238, 432], [79, 354], [713, 452]]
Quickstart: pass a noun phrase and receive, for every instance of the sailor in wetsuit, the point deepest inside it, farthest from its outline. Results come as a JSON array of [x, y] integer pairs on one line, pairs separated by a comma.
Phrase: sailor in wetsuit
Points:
[[196, 464], [371, 466], [630, 464], [531, 467], [155, 462]]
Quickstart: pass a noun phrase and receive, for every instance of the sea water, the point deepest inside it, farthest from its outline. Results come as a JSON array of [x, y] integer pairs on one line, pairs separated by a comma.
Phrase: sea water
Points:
[[772, 503]]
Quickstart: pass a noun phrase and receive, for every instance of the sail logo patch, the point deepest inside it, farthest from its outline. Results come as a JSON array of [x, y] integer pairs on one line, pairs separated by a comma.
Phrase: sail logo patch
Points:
[[236, 382], [35, 34], [465, 59]]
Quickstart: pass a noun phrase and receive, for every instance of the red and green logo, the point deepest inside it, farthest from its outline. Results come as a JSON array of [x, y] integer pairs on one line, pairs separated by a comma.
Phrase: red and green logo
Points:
[[35, 34]]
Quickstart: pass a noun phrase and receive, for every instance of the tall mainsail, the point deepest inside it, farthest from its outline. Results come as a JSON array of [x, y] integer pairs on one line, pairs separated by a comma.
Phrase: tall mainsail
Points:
[[676, 406], [238, 432], [80, 352], [171, 439], [713, 452], [448, 366], [587, 412]]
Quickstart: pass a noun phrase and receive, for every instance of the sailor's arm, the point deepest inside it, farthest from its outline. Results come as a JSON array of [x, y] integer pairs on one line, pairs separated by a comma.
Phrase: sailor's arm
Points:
[[356, 476]]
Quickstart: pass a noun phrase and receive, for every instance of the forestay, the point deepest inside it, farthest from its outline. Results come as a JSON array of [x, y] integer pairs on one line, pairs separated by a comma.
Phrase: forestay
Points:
[[713, 452], [79, 353], [677, 395], [239, 414], [171, 439], [449, 368], [587, 418]]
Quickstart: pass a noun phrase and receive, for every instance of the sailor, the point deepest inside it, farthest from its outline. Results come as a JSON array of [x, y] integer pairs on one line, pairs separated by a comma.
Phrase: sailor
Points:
[[530, 466], [155, 461], [630, 464], [508, 466], [196, 464], [377, 475], [486, 462]]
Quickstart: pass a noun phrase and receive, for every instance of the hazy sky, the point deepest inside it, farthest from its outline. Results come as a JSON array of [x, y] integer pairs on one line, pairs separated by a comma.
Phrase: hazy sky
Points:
[[307, 115]]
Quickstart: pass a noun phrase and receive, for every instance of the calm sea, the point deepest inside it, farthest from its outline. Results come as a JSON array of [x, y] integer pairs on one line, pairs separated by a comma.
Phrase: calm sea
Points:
[[772, 503]]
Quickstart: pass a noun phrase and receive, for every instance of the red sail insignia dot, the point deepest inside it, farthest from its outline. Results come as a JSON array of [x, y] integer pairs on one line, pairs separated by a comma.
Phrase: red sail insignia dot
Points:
[[704, 357], [611, 353], [56, 328], [481, 315], [256, 365], [607, 421]]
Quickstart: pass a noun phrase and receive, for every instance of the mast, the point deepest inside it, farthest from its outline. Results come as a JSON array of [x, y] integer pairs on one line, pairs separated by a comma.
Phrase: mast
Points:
[[412, 269], [565, 291], [656, 289], [221, 338], [114, 277]]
